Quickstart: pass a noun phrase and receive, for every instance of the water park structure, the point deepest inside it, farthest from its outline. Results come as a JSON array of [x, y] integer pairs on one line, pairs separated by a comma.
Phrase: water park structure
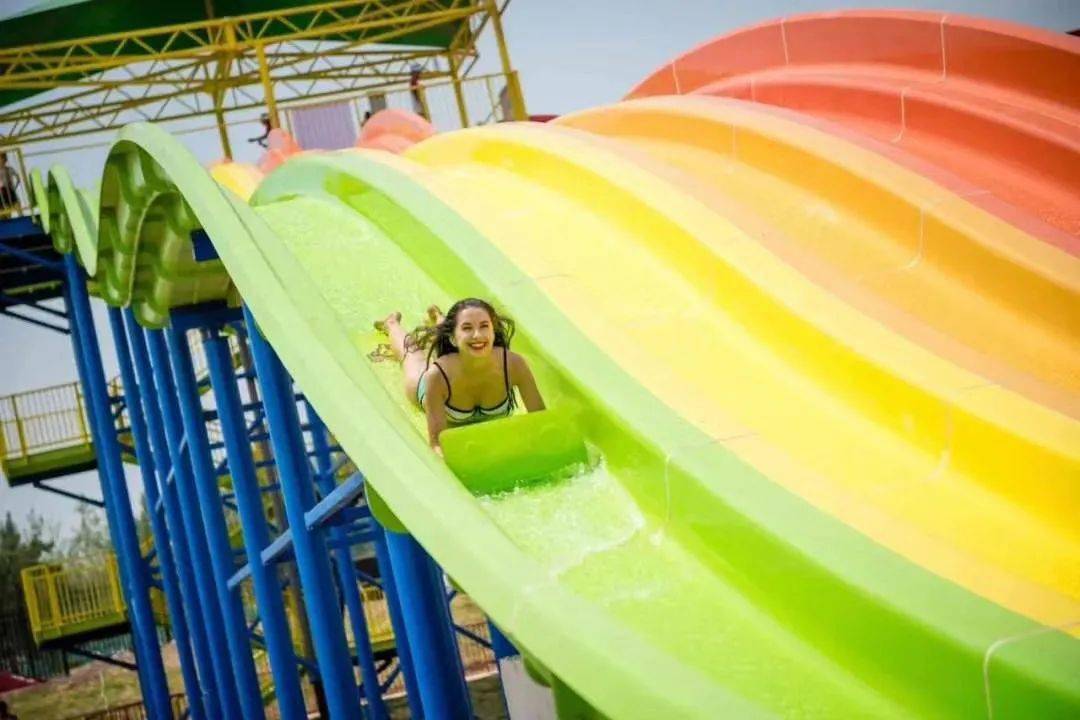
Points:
[[803, 306]]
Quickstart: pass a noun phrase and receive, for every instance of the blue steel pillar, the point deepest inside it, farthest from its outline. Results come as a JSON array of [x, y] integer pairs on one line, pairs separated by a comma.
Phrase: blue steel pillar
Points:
[[134, 574], [182, 548], [253, 519], [500, 644], [432, 642], [192, 519], [309, 547], [169, 582], [397, 621], [346, 573], [217, 534]]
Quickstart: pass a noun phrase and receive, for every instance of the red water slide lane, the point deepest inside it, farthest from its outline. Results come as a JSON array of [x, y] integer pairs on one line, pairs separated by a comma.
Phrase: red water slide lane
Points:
[[992, 104]]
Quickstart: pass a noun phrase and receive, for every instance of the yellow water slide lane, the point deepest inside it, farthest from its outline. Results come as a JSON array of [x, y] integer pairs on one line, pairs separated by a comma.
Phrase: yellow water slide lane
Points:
[[914, 451], [958, 279]]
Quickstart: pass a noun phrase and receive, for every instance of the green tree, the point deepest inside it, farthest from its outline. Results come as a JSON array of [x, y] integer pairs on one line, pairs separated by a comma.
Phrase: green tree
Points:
[[20, 549], [143, 527], [91, 538]]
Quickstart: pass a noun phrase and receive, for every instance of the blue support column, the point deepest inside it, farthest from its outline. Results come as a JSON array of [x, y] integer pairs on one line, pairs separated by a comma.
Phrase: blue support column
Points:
[[397, 621], [192, 519], [217, 534], [500, 644], [134, 574], [253, 519], [346, 573], [182, 547], [309, 547], [169, 581], [432, 643]]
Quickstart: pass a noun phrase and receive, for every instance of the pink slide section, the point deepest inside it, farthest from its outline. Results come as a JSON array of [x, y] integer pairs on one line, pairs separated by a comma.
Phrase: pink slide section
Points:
[[394, 130], [987, 108]]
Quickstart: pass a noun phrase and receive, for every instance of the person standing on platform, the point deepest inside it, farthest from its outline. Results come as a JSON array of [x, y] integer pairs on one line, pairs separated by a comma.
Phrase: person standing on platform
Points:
[[9, 187]]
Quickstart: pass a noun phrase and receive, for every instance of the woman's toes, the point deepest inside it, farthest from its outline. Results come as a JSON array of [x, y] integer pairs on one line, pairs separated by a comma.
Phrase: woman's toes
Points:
[[393, 318]]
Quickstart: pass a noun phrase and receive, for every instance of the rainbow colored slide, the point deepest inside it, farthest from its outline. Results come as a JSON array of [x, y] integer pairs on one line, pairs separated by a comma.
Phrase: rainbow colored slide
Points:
[[814, 447]]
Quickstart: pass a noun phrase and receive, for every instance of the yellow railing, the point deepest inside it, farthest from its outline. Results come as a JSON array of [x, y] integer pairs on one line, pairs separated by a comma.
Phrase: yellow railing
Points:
[[484, 99], [135, 710], [78, 597], [53, 418], [40, 420], [67, 599], [377, 615]]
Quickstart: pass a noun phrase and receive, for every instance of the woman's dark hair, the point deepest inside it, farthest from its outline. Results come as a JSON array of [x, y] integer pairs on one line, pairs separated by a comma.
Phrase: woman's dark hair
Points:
[[437, 339]]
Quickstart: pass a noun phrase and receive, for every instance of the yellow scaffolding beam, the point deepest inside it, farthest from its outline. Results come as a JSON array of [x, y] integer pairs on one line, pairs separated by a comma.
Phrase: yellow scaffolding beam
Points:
[[517, 101], [383, 19], [320, 50]]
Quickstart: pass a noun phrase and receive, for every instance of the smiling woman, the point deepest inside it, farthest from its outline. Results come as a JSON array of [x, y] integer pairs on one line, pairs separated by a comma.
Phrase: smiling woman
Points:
[[459, 368]]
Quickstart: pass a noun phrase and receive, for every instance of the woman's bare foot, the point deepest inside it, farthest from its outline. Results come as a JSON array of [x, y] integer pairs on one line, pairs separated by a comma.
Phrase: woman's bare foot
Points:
[[434, 315], [381, 353], [391, 320]]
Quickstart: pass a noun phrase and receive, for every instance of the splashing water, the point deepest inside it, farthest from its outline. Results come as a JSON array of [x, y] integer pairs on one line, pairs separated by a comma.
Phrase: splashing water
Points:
[[560, 524]]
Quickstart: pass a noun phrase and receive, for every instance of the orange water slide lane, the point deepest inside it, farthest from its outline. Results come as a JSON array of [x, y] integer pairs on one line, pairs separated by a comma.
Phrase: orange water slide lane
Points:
[[993, 103], [918, 453], [891, 242]]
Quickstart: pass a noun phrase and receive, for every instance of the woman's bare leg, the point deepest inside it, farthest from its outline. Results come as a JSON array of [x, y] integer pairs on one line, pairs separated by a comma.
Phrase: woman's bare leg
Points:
[[413, 361]]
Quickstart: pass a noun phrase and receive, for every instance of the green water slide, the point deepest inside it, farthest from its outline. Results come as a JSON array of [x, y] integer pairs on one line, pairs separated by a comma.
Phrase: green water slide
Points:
[[643, 569]]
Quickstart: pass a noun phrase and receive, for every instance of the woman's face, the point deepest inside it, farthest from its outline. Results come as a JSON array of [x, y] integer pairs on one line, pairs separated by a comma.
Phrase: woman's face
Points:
[[475, 333]]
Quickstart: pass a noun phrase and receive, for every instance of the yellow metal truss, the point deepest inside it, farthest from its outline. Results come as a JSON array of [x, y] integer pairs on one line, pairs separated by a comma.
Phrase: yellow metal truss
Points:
[[218, 66]]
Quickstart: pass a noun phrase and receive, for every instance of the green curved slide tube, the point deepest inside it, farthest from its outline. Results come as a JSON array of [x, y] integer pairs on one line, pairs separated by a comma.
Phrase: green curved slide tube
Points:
[[636, 562]]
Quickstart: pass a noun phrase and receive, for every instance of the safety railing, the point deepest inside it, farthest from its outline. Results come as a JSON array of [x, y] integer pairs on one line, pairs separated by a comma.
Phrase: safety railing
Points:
[[380, 631], [377, 615], [485, 99], [135, 710], [55, 417], [474, 644], [41, 420], [16, 198], [477, 658], [72, 598], [78, 597]]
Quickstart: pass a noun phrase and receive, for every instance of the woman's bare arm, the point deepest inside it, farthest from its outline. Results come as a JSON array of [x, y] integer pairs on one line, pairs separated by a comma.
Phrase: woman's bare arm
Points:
[[522, 378], [435, 406]]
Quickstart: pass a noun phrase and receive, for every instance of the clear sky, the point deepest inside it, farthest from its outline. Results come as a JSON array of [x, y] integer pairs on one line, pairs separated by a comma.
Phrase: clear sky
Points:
[[571, 54]]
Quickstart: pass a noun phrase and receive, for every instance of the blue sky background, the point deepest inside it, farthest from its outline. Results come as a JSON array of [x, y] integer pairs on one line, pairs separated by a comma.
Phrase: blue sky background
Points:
[[570, 54]]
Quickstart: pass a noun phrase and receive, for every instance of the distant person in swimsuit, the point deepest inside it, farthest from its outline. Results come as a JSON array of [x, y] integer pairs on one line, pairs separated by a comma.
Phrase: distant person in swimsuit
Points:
[[459, 370], [9, 187], [263, 140], [419, 107]]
